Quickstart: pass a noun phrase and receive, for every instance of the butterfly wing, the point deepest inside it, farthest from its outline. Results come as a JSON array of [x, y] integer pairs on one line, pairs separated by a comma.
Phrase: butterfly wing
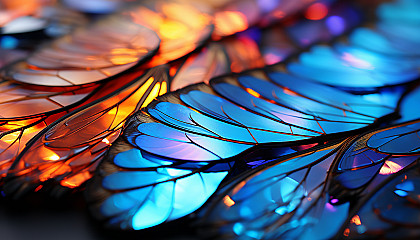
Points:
[[67, 151], [26, 111], [372, 157], [283, 200], [390, 211], [88, 55], [136, 190]]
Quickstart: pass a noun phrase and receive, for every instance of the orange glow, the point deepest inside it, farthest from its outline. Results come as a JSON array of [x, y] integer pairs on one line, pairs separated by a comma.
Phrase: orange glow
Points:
[[76, 180], [129, 105], [185, 13], [153, 94], [38, 188], [172, 71], [289, 92], [10, 10], [228, 201], [49, 171], [230, 22], [244, 53], [389, 167], [356, 220], [253, 93], [316, 11], [346, 232]]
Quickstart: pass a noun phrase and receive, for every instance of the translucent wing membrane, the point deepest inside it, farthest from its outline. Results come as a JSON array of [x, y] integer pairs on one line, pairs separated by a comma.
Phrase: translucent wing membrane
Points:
[[285, 200], [256, 47], [88, 55], [391, 212], [238, 149], [135, 190], [67, 151], [181, 27], [194, 128], [372, 58], [372, 157], [236, 16], [239, 112], [210, 62], [25, 112]]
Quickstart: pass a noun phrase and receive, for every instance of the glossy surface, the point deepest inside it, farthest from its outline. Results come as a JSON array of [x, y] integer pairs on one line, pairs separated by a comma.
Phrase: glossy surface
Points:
[[222, 126], [68, 151], [306, 148], [276, 202], [181, 27], [88, 55]]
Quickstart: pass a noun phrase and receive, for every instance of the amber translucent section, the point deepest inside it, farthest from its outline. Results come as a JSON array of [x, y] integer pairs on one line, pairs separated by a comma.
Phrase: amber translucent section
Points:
[[25, 112], [180, 26], [88, 55], [69, 151]]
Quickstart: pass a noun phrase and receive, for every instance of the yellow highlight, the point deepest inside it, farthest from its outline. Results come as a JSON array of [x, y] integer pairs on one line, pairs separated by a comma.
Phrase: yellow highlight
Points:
[[356, 220], [126, 51], [163, 89], [172, 30], [230, 22], [153, 94], [121, 60], [228, 201], [253, 93], [11, 137], [129, 105], [52, 157]]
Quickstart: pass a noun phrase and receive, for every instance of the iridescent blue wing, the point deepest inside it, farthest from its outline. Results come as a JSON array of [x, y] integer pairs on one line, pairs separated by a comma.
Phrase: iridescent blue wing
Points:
[[67, 151], [204, 127], [354, 68], [391, 211], [285, 200], [373, 58], [245, 111], [136, 190], [370, 158]]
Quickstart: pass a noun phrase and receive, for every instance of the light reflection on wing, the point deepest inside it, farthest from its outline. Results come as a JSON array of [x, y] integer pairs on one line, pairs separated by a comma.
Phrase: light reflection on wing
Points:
[[391, 211], [25, 112], [67, 152], [284, 200], [384, 55], [245, 111], [136, 190], [88, 55], [181, 27], [370, 158]]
